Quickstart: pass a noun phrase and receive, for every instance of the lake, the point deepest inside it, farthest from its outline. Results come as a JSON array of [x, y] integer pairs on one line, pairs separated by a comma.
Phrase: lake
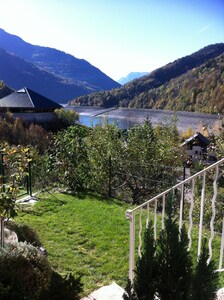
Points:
[[126, 118]]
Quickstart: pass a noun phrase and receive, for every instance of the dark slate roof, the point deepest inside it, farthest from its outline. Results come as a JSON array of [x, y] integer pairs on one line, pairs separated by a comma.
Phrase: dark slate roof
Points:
[[196, 136], [28, 99]]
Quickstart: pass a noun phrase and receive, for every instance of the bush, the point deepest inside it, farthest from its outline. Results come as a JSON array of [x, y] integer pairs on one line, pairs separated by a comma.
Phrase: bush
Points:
[[24, 233], [146, 273], [205, 280], [165, 268], [24, 272], [62, 288]]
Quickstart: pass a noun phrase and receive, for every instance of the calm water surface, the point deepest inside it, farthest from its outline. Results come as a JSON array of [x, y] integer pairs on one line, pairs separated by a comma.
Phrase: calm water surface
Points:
[[126, 118]]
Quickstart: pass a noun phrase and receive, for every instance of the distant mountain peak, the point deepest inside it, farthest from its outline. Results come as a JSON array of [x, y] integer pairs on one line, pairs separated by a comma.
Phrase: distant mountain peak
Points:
[[131, 76]]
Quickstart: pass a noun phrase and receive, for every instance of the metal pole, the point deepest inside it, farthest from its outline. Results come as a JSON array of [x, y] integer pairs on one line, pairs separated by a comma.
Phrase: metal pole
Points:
[[201, 214], [109, 177], [30, 178], [2, 232], [184, 177], [131, 216], [3, 172]]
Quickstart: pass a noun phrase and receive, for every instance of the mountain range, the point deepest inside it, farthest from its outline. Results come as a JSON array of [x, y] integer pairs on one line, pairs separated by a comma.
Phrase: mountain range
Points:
[[50, 72], [131, 76], [192, 83]]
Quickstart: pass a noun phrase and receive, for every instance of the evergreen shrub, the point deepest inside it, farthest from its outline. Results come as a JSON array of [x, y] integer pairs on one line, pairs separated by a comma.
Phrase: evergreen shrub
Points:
[[165, 269]]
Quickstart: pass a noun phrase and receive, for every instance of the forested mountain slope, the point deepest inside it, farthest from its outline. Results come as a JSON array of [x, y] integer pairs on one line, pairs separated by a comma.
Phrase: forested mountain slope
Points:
[[192, 83], [17, 73], [200, 89], [73, 73]]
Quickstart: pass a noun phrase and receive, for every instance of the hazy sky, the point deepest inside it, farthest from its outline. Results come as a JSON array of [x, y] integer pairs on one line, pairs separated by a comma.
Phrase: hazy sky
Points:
[[117, 36]]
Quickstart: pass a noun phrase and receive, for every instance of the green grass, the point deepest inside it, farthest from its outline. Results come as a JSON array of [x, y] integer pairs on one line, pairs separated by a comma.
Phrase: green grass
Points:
[[86, 235], [89, 235]]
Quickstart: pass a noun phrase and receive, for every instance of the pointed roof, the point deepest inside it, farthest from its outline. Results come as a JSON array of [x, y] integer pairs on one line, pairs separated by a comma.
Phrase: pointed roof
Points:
[[197, 136], [28, 99]]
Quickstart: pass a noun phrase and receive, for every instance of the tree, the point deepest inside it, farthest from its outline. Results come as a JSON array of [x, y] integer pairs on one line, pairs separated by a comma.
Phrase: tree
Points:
[[105, 146], [145, 279], [174, 262], [165, 268], [205, 280], [67, 116], [140, 161], [129, 293], [67, 159], [13, 166], [151, 155]]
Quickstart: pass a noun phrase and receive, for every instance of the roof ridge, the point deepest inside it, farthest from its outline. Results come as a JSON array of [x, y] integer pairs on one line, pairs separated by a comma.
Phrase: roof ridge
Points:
[[27, 91]]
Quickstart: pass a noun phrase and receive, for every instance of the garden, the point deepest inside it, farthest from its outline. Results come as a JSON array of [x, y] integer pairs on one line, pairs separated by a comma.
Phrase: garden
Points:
[[84, 180]]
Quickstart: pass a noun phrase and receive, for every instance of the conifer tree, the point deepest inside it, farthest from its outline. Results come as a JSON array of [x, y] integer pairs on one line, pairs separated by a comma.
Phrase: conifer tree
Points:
[[129, 293], [205, 280], [173, 262], [145, 273]]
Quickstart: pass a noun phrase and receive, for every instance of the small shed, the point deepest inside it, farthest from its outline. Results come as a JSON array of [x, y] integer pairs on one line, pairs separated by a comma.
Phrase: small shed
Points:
[[196, 148]]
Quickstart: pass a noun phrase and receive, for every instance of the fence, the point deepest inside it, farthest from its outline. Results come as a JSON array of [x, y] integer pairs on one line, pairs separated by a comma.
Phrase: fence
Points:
[[133, 181], [204, 189]]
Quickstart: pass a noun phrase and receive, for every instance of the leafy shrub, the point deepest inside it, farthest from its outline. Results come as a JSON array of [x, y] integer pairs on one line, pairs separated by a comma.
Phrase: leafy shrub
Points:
[[24, 272], [24, 233], [68, 117], [62, 288]]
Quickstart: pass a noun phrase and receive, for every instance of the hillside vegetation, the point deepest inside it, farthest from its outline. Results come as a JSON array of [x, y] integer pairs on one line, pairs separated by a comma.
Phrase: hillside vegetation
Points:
[[21, 73], [191, 83]]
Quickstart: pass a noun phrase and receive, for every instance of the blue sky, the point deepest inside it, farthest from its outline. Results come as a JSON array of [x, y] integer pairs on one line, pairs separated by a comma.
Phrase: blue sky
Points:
[[117, 36]]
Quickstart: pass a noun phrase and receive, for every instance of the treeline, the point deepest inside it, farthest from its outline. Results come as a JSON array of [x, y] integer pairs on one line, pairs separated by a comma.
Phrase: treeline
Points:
[[199, 90], [16, 132], [192, 83]]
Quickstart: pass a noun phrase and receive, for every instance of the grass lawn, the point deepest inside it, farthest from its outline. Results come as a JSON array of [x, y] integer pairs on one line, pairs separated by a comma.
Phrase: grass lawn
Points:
[[88, 235]]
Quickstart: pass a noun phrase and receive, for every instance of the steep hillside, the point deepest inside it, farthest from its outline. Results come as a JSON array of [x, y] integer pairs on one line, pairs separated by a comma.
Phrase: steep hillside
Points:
[[151, 91], [200, 89], [17, 73], [71, 70], [4, 90]]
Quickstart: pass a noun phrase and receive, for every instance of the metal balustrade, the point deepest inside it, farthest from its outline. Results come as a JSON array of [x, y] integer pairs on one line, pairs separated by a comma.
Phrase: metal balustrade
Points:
[[186, 191]]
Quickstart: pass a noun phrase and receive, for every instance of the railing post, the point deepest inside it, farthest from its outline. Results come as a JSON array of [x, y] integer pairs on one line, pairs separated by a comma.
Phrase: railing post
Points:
[[201, 213], [2, 232], [30, 179], [131, 216], [213, 211], [181, 207], [222, 246], [109, 176]]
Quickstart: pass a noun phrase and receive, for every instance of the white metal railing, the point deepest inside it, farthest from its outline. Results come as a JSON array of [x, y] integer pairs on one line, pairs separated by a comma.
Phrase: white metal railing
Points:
[[142, 211]]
